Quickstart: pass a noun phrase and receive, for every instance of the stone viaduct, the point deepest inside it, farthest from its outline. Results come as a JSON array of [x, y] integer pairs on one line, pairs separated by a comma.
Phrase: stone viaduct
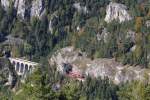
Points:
[[22, 66]]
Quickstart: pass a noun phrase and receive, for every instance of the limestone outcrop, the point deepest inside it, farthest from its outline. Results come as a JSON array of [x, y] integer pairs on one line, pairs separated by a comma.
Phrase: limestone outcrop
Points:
[[66, 55], [5, 4], [147, 23], [115, 71], [116, 11], [80, 8], [52, 19], [20, 6], [37, 8], [23, 7]]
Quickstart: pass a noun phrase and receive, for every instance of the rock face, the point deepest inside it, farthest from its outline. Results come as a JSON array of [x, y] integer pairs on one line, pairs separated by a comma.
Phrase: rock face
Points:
[[80, 8], [5, 4], [53, 18], [8, 75], [37, 8], [50, 27], [116, 11], [115, 71], [133, 48], [66, 55], [20, 6], [148, 23], [23, 7], [103, 35]]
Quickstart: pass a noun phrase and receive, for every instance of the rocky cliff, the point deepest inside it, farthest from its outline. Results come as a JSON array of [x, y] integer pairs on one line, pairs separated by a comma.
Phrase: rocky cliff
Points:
[[25, 7], [36, 8], [5, 4], [116, 11], [115, 71], [80, 8]]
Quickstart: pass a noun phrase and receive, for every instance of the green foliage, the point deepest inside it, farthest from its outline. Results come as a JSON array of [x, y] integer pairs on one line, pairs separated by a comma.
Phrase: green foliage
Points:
[[39, 42], [134, 91], [40, 85], [5, 93]]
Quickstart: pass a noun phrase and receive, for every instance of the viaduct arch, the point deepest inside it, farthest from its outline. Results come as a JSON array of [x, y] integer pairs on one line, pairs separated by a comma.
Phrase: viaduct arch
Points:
[[22, 66]]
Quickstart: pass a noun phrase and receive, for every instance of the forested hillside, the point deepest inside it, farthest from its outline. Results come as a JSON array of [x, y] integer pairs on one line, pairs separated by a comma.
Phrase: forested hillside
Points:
[[65, 22], [102, 29]]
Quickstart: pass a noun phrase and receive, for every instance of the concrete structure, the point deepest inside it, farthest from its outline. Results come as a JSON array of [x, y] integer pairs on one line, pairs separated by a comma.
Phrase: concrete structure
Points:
[[22, 66]]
